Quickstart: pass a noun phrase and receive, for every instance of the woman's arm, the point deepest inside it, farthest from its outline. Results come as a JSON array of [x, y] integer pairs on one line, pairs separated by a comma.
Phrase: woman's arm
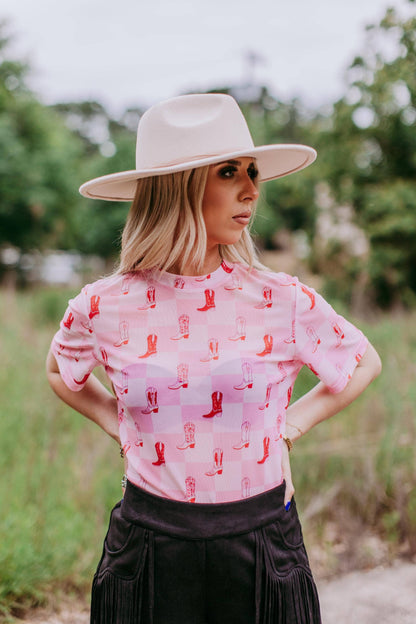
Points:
[[319, 404], [94, 401]]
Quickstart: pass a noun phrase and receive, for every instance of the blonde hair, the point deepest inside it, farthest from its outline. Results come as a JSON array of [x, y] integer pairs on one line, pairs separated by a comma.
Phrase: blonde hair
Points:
[[165, 227]]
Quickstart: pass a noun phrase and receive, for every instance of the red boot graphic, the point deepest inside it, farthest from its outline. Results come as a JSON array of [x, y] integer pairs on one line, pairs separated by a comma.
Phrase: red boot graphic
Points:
[[152, 406], [226, 268], [151, 346], [183, 328], [150, 299], [245, 487], [266, 446], [234, 283], [189, 441], [69, 320], [240, 329], [217, 464], [209, 300], [314, 338], [268, 345], [216, 405], [139, 437], [183, 377], [310, 294], [125, 285], [179, 283], [190, 489], [124, 334], [213, 351], [160, 452], [267, 399], [247, 377], [267, 299], [124, 382], [245, 436], [339, 333], [279, 421], [94, 306]]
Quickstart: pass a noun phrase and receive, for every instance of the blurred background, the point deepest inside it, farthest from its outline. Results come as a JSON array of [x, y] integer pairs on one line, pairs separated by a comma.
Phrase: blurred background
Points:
[[74, 81]]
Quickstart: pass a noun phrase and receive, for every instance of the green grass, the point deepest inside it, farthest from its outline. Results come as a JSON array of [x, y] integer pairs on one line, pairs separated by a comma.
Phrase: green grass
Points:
[[353, 474]]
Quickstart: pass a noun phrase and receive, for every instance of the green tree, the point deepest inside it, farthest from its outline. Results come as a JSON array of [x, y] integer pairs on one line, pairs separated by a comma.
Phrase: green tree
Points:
[[369, 159]]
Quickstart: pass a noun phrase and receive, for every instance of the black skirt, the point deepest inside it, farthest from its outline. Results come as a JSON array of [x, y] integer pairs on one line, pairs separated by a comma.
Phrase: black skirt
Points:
[[171, 562]]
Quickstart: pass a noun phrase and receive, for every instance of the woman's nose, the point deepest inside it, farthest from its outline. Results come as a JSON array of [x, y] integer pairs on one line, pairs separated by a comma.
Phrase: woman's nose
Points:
[[250, 190]]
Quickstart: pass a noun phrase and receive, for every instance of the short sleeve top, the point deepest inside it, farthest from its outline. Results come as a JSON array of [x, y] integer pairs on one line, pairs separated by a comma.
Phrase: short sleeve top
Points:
[[203, 369]]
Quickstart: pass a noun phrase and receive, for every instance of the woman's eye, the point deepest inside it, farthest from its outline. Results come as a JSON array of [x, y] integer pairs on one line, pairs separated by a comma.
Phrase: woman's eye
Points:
[[253, 172], [227, 172]]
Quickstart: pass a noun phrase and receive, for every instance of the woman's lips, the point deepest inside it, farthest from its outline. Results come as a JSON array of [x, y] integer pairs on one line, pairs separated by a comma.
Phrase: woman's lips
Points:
[[243, 218]]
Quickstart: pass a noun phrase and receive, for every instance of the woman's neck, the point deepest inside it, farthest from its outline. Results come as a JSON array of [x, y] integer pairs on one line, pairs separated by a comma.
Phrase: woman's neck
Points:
[[211, 262]]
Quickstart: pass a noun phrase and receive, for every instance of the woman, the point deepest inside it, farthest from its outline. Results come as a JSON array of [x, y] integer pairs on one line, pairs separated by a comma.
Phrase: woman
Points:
[[202, 346]]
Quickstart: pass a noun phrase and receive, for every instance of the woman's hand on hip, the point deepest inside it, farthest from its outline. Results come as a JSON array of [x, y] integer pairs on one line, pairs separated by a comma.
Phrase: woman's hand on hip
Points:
[[287, 476]]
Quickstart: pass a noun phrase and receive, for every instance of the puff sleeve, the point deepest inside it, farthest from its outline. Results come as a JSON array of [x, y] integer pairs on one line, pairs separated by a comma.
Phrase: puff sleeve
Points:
[[326, 342], [74, 345]]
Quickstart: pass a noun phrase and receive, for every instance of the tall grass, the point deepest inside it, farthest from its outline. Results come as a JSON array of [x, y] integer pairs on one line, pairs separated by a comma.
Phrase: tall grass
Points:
[[354, 474]]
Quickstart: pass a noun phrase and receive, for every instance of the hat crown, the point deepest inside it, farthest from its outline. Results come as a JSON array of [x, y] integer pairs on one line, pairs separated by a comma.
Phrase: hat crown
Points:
[[190, 127]]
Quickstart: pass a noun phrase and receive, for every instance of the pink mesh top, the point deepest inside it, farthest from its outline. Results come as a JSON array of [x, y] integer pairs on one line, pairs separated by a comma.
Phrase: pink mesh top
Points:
[[203, 369]]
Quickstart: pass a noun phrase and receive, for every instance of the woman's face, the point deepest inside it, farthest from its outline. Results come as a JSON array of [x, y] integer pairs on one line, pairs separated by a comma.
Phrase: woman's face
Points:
[[229, 198]]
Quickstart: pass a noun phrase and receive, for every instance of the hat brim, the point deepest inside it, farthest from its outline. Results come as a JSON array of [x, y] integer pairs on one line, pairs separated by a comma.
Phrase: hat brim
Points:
[[273, 161]]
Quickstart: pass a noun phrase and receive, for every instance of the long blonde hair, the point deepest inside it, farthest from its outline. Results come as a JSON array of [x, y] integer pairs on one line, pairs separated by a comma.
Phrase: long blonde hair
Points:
[[165, 226]]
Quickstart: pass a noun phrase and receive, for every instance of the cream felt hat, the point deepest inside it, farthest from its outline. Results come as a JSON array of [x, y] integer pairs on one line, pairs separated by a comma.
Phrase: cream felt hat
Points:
[[191, 131]]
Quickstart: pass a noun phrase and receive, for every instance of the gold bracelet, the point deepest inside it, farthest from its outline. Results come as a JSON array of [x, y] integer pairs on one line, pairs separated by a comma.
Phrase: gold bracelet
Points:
[[288, 442]]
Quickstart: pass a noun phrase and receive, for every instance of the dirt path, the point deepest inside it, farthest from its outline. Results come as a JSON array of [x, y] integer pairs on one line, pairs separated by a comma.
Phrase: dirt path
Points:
[[379, 596]]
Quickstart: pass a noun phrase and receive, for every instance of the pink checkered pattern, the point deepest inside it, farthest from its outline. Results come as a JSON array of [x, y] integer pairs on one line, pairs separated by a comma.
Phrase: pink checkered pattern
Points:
[[203, 369]]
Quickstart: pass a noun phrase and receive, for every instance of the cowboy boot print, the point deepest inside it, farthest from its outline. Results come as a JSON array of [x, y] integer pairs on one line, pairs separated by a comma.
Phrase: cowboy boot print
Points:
[[289, 396], [247, 377], [179, 283], [152, 406], [217, 466], [245, 487], [266, 447], [240, 329], [234, 283], [94, 306], [124, 382], [190, 489], [292, 338], [216, 410], [183, 332], [203, 278], [125, 448], [267, 299], [226, 268], [189, 441], [150, 299], [139, 437], [310, 295], [69, 320], [266, 403], [268, 345], [87, 326], [209, 300], [82, 381], [279, 421], [151, 346], [339, 333], [124, 334], [245, 436], [311, 333], [125, 285], [212, 351], [183, 377], [104, 357], [121, 416], [160, 452]]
